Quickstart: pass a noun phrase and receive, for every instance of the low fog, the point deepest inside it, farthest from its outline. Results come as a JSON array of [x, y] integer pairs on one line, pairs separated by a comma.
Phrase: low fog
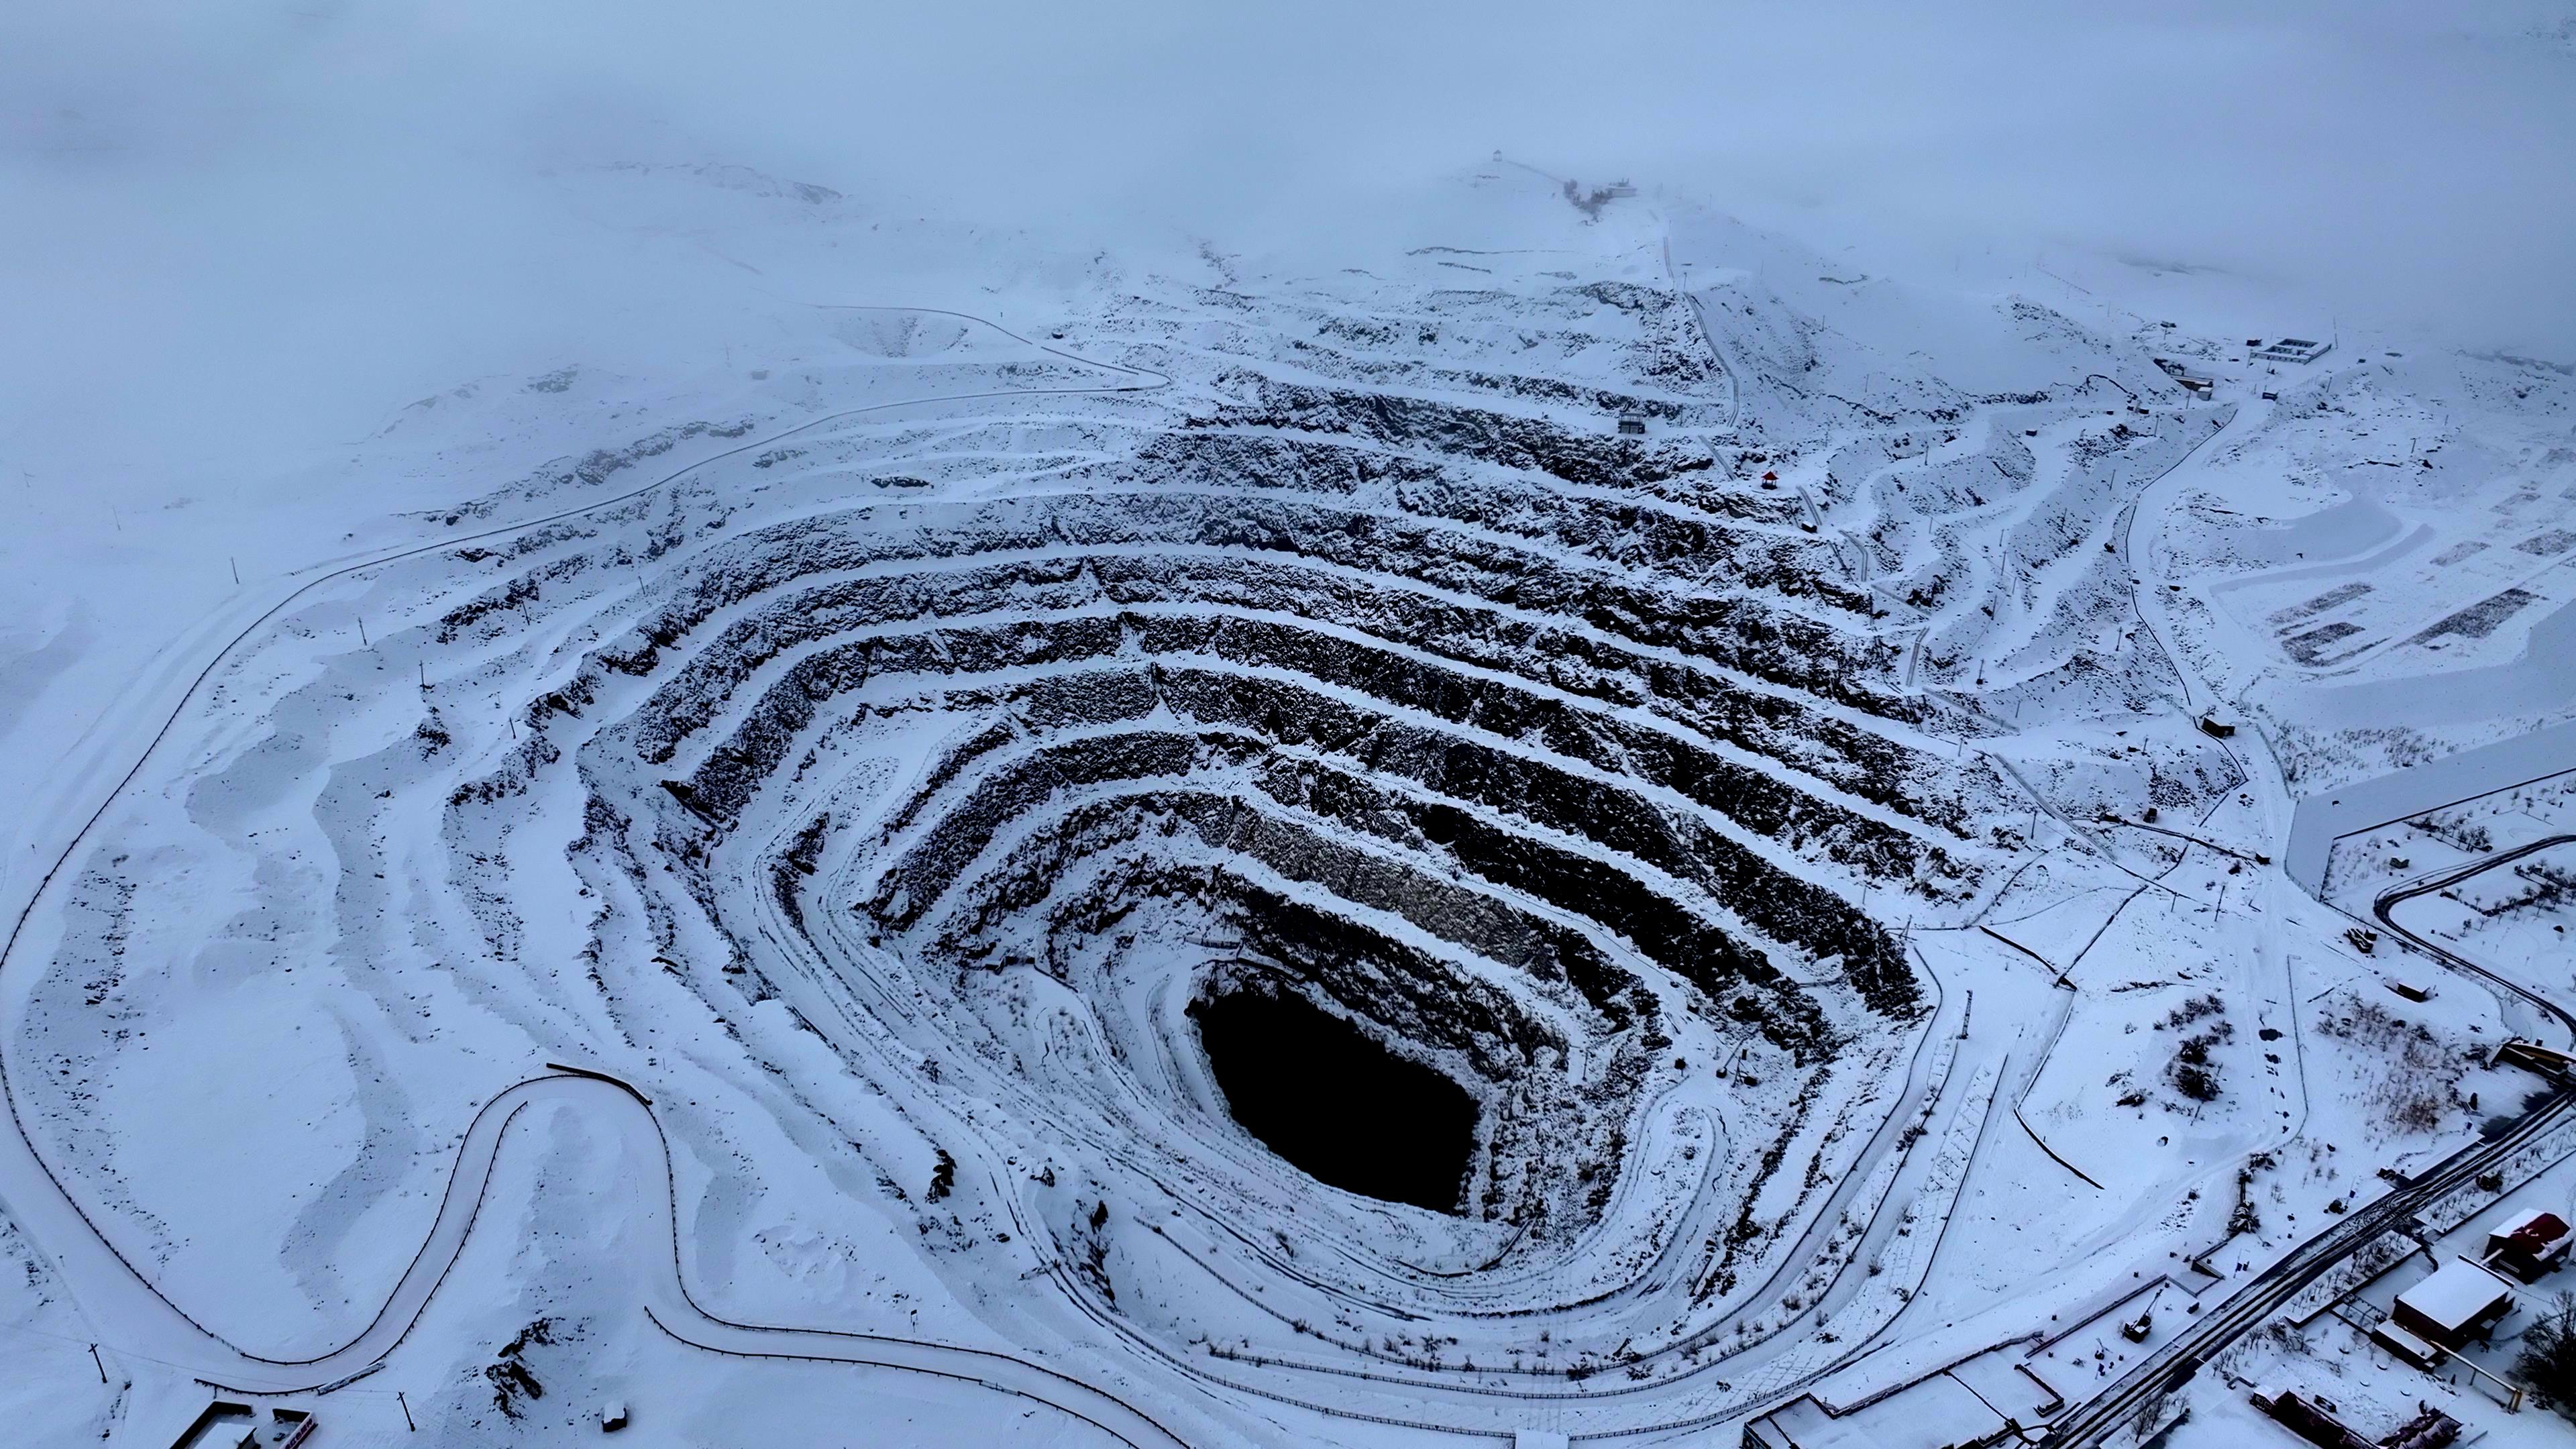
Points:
[[230, 225]]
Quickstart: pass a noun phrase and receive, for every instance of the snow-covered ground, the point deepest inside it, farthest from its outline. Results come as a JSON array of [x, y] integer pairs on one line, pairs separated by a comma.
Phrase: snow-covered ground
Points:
[[1810, 750]]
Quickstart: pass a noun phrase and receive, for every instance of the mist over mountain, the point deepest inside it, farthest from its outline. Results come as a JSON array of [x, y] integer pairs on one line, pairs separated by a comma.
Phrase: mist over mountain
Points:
[[1198, 725]]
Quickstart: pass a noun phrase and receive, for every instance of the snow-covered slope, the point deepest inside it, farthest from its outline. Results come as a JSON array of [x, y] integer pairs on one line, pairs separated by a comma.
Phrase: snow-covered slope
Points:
[[1712, 707]]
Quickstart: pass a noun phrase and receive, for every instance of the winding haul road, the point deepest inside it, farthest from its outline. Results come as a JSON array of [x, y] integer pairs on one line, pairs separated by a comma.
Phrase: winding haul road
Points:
[[149, 1324], [2137, 1395], [138, 1318], [131, 1311], [2389, 900], [141, 1319], [133, 1314]]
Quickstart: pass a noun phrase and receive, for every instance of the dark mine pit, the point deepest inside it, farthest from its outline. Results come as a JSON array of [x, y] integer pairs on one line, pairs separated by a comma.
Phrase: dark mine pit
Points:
[[1335, 1104]]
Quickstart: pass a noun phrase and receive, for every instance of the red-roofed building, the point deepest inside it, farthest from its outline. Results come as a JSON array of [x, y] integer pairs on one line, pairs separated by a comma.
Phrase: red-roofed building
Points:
[[2530, 1244]]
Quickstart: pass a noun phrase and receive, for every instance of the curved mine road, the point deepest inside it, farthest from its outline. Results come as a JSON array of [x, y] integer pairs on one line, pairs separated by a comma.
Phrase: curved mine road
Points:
[[2389, 900], [2136, 1393], [137, 1317], [148, 1323], [141, 1319]]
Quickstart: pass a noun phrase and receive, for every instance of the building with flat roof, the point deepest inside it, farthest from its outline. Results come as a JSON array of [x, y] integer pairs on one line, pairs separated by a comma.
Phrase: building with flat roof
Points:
[[2191, 382], [2293, 349], [226, 1424], [2408, 1346], [2456, 1302]]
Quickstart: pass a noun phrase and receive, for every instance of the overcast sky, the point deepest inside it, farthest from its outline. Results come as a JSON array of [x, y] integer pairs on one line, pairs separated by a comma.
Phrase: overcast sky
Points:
[[342, 194]]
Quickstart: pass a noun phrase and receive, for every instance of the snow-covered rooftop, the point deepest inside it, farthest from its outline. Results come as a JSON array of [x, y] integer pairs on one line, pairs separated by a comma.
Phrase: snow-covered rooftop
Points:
[[2456, 1294], [2545, 1226]]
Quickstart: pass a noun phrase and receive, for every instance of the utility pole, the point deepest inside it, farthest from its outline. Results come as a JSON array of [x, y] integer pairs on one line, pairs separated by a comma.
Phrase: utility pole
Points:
[[102, 1363], [406, 1408], [236, 563], [362, 633]]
